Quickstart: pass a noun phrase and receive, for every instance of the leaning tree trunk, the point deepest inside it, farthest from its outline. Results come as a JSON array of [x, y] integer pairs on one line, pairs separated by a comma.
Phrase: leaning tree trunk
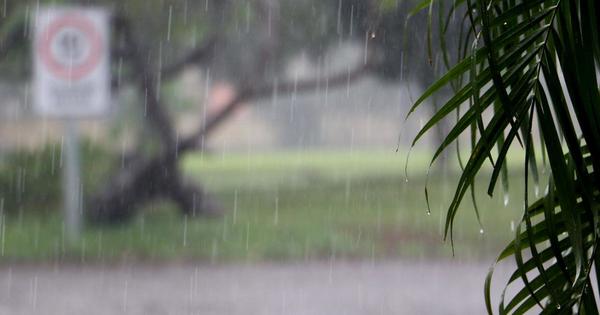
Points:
[[144, 182], [146, 179]]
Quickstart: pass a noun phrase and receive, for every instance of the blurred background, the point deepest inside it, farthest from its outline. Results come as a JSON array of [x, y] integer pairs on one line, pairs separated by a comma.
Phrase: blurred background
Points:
[[255, 160]]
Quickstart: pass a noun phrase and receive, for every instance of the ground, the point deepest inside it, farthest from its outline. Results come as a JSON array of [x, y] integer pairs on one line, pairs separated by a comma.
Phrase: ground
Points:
[[326, 287], [305, 233]]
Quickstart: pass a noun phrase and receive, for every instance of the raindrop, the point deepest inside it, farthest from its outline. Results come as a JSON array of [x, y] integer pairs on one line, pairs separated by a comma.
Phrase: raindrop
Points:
[[125, 296], [26, 23], [9, 281], [34, 289], [481, 231], [214, 251], [512, 225], [83, 245], [52, 162], [339, 18], [366, 52], [351, 20], [192, 290], [185, 229], [305, 249], [235, 206], [537, 190], [402, 66], [373, 255], [348, 189], [169, 25], [276, 216], [506, 199], [185, 11], [224, 234], [294, 92], [176, 144], [359, 236], [428, 212], [3, 237], [159, 72], [352, 140], [99, 241], [119, 71], [326, 89], [207, 88], [348, 84], [331, 260], [36, 237], [62, 145], [247, 235], [142, 226], [247, 26], [269, 22], [145, 107]]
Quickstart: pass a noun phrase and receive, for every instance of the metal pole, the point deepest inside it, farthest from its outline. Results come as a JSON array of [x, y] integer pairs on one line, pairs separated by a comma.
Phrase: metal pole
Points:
[[71, 181]]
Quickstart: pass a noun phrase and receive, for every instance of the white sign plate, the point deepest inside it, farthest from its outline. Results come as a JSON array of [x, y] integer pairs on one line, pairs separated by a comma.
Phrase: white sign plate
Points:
[[71, 62]]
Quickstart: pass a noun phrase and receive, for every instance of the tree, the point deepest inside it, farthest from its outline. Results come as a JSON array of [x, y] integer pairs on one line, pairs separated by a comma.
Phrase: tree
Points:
[[159, 176], [153, 42], [529, 64]]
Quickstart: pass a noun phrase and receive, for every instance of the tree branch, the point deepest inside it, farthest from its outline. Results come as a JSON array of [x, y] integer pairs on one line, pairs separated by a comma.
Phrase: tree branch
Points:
[[197, 56], [194, 141]]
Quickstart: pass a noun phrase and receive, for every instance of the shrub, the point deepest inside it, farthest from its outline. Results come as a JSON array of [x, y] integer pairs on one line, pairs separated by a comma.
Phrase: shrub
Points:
[[30, 180]]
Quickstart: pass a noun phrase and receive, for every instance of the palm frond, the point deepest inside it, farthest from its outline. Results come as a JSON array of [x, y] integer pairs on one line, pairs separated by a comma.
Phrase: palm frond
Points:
[[531, 62]]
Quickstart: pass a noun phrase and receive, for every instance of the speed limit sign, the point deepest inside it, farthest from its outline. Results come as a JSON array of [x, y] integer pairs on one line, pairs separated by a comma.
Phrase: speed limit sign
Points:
[[71, 62]]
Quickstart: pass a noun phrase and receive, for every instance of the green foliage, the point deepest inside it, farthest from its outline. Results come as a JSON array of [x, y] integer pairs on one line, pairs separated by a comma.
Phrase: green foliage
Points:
[[30, 181], [290, 206], [529, 64]]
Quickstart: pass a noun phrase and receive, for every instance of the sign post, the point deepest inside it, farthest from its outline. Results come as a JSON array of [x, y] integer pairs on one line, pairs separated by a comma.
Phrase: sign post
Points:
[[71, 82], [72, 181]]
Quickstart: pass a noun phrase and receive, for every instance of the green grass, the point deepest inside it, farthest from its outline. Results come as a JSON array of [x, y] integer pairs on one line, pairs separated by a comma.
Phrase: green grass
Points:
[[286, 206]]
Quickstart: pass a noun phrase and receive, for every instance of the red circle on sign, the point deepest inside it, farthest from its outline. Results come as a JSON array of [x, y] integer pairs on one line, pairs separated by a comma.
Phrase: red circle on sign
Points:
[[91, 60]]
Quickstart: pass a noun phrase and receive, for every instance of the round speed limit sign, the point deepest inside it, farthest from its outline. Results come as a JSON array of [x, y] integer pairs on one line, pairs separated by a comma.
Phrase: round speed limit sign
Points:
[[70, 47]]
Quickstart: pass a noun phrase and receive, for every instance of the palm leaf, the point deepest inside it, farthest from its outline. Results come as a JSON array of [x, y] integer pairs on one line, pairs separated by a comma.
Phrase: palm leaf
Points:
[[532, 62]]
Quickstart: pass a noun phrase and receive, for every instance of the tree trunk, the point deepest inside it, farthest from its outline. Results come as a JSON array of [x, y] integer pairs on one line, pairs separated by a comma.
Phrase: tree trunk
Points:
[[144, 182], [146, 179]]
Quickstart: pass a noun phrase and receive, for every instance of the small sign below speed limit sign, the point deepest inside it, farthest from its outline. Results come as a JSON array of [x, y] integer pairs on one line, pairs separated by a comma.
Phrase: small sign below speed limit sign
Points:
[[71, 62]]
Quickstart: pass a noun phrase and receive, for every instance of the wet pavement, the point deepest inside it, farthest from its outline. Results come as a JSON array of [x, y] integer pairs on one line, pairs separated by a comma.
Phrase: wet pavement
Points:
[[327, 287]]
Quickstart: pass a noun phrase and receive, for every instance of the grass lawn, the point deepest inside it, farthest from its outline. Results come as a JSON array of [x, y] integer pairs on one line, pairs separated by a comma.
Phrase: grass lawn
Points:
[[288, 206]]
